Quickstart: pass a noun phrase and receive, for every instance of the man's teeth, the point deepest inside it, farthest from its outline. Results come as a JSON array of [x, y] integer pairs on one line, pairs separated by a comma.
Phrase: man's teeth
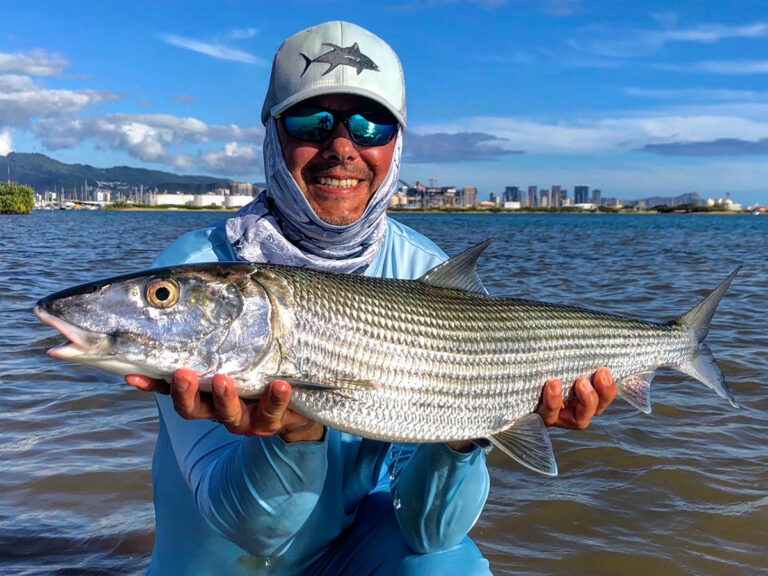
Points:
[[334, 183]]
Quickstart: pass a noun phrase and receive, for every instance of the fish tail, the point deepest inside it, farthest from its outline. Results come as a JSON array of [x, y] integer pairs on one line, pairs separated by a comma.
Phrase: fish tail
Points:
[[308, 61], [702, 364]]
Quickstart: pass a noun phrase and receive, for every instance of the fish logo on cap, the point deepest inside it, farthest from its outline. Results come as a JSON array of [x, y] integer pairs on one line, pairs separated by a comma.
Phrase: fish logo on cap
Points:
[[342, 56]]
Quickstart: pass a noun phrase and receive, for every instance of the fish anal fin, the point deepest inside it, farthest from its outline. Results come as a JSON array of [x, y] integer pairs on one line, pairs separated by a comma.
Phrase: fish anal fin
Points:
[[527, 441], [636, 389]]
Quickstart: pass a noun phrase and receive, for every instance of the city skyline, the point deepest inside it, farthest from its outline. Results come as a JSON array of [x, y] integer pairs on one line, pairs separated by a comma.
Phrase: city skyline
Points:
[[636, 99]]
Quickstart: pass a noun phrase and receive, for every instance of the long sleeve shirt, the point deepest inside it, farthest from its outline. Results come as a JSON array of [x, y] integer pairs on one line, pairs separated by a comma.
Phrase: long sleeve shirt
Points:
[[228, 504]]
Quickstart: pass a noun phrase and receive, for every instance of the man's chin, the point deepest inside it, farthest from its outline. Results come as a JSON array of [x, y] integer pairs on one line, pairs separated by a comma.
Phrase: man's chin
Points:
[[338, 210], [337, 218]]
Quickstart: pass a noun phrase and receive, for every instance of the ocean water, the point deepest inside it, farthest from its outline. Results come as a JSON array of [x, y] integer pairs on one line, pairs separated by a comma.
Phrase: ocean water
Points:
[[683, 491]]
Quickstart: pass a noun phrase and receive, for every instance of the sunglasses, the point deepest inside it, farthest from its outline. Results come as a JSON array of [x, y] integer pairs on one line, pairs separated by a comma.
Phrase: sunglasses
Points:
[[313, 124]]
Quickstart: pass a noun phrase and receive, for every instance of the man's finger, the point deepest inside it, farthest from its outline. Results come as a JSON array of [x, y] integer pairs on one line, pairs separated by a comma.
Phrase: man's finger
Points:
[[146, 384], [551, 402], [606, 389], [229, 409], [585, 403], [272, 407], [186, 396]]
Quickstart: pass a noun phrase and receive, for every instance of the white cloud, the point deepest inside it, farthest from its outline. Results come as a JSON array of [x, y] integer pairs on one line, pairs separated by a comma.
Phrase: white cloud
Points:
[[234, 159], [243, 33], [148, 137], [725, 67], [610, 41], [22, 100], [6, 143], [36, 63], [213, 50], [698, 94], [710, 33], [604, 135]]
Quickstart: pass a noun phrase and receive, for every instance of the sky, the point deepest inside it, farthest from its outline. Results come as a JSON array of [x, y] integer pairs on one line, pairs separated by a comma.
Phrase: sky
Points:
[[634, 98]]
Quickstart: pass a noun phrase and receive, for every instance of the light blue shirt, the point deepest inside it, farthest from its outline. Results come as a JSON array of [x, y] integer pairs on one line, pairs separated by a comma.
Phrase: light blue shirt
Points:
[[228, 504]]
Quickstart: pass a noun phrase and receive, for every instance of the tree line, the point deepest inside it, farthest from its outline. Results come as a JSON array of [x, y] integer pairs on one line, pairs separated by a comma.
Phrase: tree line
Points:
[[16, 199]]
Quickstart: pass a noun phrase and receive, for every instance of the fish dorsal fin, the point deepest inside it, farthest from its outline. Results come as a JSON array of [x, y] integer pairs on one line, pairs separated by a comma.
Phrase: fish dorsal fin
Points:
[[527, 441], [459, 272], [699, 317], [636, 389]]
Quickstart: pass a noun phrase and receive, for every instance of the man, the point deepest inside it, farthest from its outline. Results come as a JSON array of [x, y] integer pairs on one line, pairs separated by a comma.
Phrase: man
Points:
[[244, 487]]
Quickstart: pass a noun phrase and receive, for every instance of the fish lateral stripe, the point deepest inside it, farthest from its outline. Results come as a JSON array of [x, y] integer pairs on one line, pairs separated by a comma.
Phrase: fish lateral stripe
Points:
[[429, 360]]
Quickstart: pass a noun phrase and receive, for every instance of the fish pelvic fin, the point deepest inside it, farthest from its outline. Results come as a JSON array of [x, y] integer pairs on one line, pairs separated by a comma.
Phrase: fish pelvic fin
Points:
[[702, 364], [527, 441], [636, 389], [459, 272]]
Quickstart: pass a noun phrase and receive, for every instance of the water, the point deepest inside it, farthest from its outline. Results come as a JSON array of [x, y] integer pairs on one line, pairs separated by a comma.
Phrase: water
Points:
[[683, 491]]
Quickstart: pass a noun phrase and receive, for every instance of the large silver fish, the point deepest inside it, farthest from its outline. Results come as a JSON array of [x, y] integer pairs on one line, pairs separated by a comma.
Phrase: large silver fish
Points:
[[431, 360]]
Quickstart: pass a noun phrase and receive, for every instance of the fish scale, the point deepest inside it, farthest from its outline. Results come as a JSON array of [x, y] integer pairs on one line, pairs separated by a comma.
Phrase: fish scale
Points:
[[431, 360], [463, 346]]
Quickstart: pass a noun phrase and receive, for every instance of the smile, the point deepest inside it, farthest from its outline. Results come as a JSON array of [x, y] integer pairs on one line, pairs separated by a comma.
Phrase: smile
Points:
[[336, 183]]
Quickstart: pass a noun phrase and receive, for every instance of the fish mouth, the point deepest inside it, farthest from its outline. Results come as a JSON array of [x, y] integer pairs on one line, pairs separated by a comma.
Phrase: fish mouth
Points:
[[81, 342]]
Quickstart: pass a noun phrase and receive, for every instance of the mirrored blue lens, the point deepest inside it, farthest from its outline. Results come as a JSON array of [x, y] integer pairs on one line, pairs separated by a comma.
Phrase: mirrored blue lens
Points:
[[370, 131], [315, 125], [312, 127]]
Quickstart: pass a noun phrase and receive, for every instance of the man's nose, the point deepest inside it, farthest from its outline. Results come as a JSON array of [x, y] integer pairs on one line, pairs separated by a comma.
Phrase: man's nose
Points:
[[339, 145]]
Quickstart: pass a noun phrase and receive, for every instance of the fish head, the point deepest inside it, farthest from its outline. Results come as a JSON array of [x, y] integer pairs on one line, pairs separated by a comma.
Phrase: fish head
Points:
[[157, 321]]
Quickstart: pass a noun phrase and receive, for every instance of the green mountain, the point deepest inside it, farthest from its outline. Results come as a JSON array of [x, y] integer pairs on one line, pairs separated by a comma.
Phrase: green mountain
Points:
[[44, 173]]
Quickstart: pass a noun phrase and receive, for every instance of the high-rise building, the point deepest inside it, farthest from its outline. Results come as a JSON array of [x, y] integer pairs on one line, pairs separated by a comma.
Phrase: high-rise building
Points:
[[581, 194], [596, 194], [558, 195], [469, 196], [533, 197]]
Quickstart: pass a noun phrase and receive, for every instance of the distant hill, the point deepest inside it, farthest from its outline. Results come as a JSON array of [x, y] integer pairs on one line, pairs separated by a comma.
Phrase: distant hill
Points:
[[690, 198], [44, 173]]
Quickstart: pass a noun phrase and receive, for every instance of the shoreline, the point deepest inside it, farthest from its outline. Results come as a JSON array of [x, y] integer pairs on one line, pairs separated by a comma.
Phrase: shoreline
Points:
[[395, 212], [398, 211]]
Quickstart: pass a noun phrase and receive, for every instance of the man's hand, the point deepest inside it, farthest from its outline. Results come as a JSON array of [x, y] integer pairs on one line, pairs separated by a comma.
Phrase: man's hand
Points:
[[590, 400], [264, 416]]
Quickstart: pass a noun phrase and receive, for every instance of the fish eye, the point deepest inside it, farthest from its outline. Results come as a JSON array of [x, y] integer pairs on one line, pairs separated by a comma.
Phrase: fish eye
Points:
[[162, 293]]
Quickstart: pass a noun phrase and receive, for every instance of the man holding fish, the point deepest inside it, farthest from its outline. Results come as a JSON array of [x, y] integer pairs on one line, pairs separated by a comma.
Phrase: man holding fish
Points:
[[253, 487]]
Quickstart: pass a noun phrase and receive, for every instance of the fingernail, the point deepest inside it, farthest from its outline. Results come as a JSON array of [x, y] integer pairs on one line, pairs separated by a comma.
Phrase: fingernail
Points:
[[219, 386], [181, 383], [280, 387]]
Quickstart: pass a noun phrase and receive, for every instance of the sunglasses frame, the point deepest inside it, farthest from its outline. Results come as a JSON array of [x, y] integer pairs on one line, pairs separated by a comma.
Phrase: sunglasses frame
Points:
[[342, 116]]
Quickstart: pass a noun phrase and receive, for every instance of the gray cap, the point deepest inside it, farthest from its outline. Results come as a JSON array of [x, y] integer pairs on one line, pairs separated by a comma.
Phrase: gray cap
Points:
[[333, 58]]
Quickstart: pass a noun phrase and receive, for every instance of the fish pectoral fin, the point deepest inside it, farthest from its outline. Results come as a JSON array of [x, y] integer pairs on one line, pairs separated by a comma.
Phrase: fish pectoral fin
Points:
[[527, 441], [636, 389], [337, 384]]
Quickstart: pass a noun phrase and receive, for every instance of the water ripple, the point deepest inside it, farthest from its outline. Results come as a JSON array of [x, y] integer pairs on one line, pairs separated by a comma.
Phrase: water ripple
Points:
[[682, 491]]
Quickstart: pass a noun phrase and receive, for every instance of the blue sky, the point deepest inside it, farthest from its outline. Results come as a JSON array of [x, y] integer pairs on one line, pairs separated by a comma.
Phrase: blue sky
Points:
[[634, 98]]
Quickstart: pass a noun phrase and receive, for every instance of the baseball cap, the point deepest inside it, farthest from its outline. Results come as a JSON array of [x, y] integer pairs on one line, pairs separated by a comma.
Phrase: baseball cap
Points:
[[333, 58]]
